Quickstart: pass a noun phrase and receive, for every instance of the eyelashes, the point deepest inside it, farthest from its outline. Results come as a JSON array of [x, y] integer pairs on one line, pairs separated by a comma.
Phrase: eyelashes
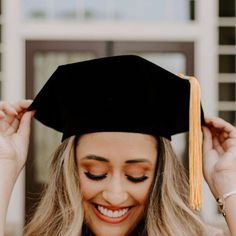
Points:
[[95, 177], [137, 179], [101, 177]]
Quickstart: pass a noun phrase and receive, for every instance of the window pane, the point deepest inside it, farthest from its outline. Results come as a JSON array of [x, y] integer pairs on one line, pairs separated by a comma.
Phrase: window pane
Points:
[[98, 9], [174, 62], [34, 8], [227, 8], [227, 63], [65, 10], [192, 9], [227, 91], [155, 10], [227, 35], [122, 10], [229, 116]]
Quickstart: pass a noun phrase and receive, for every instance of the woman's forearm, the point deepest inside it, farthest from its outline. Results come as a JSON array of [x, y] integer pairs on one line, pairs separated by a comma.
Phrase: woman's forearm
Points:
[[230, 211], [7, 181]]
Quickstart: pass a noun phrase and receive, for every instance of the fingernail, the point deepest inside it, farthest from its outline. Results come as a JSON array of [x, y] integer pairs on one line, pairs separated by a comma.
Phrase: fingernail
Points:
[[2, 114], [14, 111], [11, 109]]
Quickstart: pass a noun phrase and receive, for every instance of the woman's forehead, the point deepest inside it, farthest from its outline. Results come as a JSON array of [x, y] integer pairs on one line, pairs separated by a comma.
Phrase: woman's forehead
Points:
[[118, 136], [117, 145]]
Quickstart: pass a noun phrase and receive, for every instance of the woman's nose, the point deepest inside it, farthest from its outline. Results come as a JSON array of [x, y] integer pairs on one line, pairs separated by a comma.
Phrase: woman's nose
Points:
[[115, 193]]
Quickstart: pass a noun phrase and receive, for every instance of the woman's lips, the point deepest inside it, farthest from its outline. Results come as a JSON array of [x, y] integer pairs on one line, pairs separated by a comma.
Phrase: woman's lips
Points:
[[111, 215]]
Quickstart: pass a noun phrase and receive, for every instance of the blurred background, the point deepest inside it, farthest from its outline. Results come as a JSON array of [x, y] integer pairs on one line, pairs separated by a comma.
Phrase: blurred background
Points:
[[195, 37]]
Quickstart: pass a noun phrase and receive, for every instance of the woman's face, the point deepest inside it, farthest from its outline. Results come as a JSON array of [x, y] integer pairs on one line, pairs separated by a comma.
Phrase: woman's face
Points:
[[116, 171]]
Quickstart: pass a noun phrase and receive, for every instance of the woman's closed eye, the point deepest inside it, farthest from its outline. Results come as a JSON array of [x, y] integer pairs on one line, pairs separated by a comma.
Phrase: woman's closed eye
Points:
[[95, 177], [103, 176], [136, 179]]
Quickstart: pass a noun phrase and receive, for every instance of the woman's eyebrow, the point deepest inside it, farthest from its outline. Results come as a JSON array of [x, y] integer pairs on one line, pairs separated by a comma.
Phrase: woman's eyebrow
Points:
[[103, 159], [96, 158], [137, 161]]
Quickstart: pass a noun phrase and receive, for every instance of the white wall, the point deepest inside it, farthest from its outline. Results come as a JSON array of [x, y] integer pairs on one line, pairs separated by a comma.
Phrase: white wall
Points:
[[13, 89]]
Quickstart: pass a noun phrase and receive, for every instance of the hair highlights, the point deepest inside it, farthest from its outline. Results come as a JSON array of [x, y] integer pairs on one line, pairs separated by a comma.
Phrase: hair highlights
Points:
[[60, 210], [168, 212]]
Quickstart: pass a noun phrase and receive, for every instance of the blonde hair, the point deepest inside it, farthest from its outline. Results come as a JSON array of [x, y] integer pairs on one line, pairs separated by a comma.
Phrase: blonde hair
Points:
[[168, 212], [60, 211]]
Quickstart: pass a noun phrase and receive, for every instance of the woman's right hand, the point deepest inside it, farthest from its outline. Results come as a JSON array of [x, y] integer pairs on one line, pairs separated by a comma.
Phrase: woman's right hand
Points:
[[14, 134], [14, 141]]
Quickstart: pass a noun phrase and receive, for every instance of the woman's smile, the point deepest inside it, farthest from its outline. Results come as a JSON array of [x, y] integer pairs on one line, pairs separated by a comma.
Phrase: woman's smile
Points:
[[113, 215]]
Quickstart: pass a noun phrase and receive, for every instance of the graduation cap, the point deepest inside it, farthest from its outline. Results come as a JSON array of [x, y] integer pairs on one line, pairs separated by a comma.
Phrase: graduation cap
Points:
[[125, 94]]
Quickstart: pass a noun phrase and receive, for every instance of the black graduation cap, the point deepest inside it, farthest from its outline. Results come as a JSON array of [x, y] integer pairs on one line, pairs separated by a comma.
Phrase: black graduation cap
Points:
[[122, 93]]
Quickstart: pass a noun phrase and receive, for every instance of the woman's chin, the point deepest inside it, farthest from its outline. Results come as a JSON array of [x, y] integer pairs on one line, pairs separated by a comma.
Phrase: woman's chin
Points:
[[110, 231]]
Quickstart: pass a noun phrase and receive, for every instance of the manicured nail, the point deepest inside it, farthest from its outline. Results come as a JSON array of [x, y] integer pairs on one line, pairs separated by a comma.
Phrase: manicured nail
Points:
[[2, 114]]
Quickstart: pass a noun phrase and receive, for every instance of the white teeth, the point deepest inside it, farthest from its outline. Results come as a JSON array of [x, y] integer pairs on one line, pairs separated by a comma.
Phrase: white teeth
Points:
[[112, 214]]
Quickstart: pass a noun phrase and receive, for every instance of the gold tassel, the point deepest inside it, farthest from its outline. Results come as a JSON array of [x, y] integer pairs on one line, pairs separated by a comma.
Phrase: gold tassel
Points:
[[195, 144]]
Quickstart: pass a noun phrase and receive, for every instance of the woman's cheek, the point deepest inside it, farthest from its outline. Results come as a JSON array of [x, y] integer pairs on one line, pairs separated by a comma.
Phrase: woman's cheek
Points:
[[141, 192], [88, 188]]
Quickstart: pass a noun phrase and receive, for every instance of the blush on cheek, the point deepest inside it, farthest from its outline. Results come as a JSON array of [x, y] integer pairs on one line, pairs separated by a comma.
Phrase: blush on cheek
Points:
[[88, 188], [142, 196]]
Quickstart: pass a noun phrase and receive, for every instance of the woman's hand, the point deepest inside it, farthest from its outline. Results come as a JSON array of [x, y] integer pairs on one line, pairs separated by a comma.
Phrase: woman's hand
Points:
[[219, 151], [14, 141], [14, 134]]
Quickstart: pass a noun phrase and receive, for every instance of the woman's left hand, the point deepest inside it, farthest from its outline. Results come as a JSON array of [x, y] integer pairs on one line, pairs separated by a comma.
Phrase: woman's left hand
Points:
[[219, 156]]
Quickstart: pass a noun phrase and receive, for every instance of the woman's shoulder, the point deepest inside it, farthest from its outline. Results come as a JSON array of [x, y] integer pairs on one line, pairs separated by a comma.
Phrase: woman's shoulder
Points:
[[213, 231]]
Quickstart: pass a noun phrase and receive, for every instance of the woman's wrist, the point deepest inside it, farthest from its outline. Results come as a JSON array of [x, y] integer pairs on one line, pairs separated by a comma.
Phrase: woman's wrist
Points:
[[230, 213], [7, 181], [223, 182], [221, 201]]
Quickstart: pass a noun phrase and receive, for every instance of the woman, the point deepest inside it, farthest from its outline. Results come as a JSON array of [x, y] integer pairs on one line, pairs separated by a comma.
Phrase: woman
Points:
[[115, 174]]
